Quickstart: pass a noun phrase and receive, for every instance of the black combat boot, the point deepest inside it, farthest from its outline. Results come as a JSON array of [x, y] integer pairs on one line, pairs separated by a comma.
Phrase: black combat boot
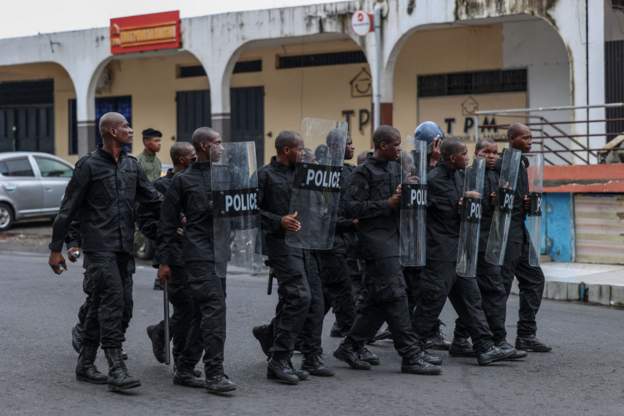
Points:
[[313, 364], [219, 384], [158, 342], [347, 354], [302, 374], [85, 369], [516, 354], [280, 369], [438, 341], [187, 377], [366, 355], [531, 343], [118, 377], [461, 347], [492, 355], [76, 338], [431, 358], [416, 364], [264, 336]]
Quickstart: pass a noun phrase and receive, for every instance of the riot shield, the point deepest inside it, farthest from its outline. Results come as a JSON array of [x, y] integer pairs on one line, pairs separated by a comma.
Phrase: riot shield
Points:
[[413, 211], [236, 220], [535, 172], [468, 248], [316, 188], [499, 230]]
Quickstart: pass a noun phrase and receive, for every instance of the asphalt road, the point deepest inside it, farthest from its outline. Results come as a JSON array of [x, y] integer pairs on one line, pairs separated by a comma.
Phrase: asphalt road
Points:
[[584, 375]]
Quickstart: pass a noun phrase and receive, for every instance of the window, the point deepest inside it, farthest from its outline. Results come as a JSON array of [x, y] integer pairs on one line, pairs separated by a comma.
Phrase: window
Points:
[[321, 59], [466, 83], [73, 127], [191, 71], [248, 66], [16, 167], [51, 168]]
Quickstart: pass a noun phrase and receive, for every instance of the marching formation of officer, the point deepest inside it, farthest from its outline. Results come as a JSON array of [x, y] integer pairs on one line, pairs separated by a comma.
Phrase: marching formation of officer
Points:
[[387, 241]]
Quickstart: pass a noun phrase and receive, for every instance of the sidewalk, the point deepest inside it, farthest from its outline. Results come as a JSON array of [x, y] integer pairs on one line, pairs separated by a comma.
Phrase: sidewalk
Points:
[[601, 284]]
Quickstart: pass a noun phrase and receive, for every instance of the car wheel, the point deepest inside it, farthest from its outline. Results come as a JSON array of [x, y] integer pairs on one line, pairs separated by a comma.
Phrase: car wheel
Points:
[[143, 247], [6, 217]]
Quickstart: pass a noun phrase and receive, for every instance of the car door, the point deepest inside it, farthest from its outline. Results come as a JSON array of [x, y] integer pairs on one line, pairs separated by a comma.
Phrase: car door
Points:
[[54, 176], [20, 186]]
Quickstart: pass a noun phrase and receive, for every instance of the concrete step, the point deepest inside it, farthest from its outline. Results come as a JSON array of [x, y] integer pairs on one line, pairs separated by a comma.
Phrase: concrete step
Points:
[[600, 284]]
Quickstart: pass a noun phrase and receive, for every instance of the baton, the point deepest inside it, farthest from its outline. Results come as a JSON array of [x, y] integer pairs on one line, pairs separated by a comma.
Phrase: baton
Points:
[[270, 284], [166, 313]]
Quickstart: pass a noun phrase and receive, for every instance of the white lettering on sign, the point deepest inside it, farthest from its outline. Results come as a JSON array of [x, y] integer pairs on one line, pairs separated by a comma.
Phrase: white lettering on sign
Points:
[[508, 202], [240, 202], [418, 197], [475, 210], [323, 179]]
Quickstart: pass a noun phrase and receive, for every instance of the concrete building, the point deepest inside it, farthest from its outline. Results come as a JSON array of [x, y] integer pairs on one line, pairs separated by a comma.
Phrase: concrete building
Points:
[[254, 73], [251, 74]]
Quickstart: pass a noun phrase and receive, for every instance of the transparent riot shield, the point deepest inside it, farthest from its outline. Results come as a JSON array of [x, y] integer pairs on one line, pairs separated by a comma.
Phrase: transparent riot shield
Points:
[[236, 220], [316, 188], [468, 248], [413, 212], [501, 220], [535, 172]]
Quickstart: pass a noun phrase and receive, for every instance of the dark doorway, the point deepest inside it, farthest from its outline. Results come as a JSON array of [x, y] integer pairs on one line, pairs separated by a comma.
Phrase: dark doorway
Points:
[[27, 116], [192, 111], [248, 117]]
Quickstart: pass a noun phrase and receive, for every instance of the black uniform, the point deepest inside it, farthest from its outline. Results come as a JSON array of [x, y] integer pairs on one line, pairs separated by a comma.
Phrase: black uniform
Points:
[[493, 295], [372, 184], [439, 280], [185, 319], [190, 194], [336, 267], [530, 279], [101, 195], [300, 308]]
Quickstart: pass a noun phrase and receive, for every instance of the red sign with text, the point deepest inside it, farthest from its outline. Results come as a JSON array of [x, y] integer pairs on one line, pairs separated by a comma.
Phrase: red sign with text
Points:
[[147, 32]]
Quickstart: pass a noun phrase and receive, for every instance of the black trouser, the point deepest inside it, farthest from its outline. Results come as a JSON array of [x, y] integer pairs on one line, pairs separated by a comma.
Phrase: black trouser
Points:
[[184, 323], [385, 300], [440, 281], [108, 308], [493, 297], [205, 288], [530, 282], [310, 333], [337, 287]]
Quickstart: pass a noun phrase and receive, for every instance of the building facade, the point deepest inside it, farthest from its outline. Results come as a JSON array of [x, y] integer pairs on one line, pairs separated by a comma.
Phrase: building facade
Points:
[[251, 74]]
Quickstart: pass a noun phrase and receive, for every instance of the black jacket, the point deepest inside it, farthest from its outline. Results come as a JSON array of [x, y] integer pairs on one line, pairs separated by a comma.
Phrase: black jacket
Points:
[[371, 185], [190, 193], [487, 207], [445, 188], [517, 229], [274, 192], [101, 197], [345, 230]]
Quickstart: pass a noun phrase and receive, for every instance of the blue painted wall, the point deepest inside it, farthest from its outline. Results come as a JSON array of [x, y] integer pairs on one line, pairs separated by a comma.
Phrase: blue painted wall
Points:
[[558, 226]]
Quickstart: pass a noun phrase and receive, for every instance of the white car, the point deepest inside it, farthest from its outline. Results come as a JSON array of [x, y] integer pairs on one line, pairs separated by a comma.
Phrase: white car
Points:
[[32, 185]]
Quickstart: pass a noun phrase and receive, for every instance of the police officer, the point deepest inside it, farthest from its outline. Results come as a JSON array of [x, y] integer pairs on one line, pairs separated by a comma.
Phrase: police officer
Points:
[[374, 198], [102, 193], [530, 279], [439, 280], [184, 319], [299, 311], [190, 194], [336, 267]]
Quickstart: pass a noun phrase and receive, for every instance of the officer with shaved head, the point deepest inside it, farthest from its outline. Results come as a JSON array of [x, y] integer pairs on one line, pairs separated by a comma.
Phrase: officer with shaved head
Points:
[[101, 195]]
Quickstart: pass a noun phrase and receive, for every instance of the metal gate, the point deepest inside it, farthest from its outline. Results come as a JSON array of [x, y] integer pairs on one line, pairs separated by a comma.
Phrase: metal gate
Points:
[[599, 228], [248, 117]]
